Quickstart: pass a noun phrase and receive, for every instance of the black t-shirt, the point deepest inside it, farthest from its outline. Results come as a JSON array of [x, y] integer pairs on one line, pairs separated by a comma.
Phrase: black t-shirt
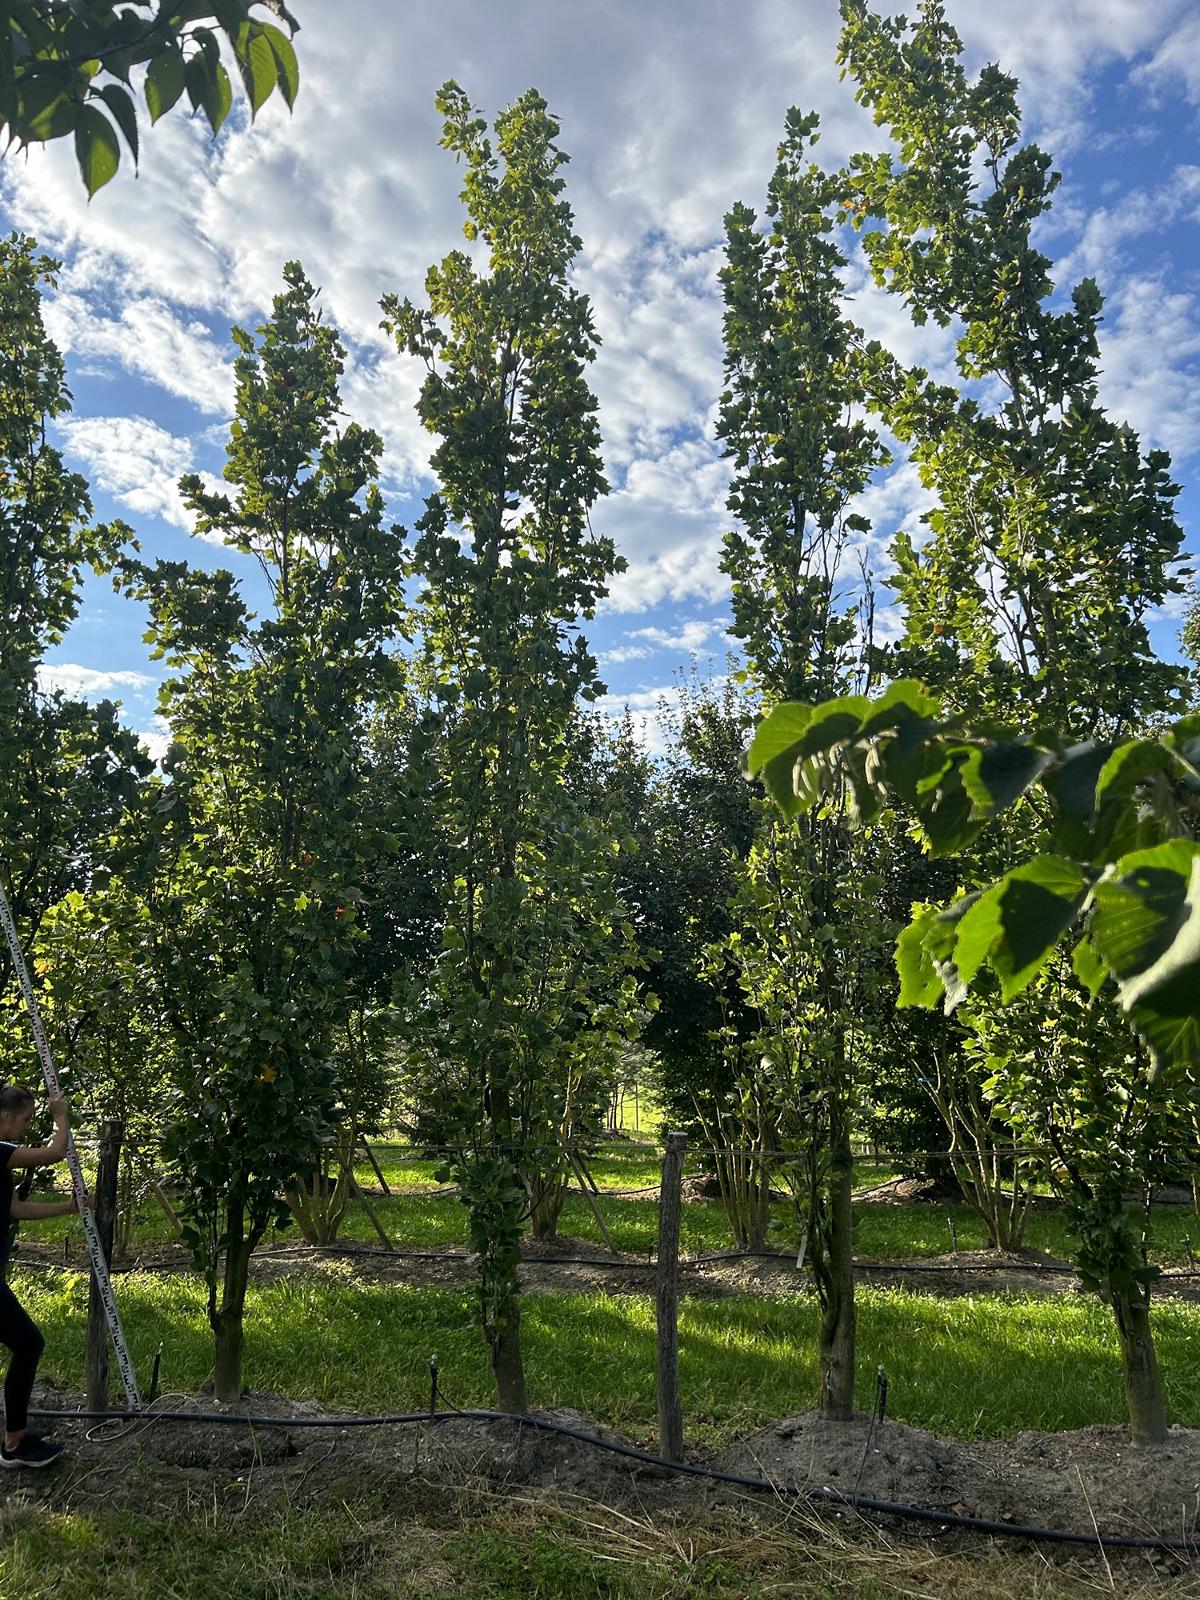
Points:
[[7, 1227]]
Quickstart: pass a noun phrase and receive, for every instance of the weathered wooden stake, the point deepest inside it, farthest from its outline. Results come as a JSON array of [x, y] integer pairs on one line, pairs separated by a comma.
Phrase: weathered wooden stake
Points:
[[104, 1209], [670, 1408]]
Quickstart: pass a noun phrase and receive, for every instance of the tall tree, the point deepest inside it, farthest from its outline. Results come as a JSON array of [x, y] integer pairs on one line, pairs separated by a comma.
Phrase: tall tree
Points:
[[257, 848], [1054, 533], [792, 420], [1034, 480], [532, 991]]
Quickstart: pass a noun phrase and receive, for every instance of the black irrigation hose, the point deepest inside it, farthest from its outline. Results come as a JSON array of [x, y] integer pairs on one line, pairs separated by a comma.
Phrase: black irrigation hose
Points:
[[830, 1497]]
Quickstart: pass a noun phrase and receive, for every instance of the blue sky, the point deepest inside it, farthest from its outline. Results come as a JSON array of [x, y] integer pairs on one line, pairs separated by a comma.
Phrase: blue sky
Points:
[[670, 113]]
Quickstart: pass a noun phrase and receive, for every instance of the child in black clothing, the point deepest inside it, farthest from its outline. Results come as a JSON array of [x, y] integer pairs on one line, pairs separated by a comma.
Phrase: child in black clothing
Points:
[[17, 1328]]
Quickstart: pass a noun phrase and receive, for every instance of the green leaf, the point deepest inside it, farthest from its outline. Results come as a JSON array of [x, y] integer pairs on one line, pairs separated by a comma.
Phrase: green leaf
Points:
[[164, 83], [195, 78], [1174, 1041], [946, 812], [778, 731], [920, 984], [979, 930], [47, 110], [1146, 928], [288, 71], [257, 62], [998, 773], [1037, 903], [1073, 785], [218, 98], [902, 701], [1088, 967], [120, 102], [96, 149], [832, 722], [925, 963], [1131, 763]]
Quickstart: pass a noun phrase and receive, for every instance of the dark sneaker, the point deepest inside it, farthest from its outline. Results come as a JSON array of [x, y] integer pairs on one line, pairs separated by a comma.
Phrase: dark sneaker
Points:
[[31, 1452]]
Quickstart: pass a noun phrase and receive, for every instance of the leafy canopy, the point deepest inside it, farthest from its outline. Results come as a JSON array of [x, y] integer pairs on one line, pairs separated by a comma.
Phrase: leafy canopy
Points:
[[67, 68]]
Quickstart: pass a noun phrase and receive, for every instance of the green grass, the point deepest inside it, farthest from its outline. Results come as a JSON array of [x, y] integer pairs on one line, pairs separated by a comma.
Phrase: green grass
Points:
[[365, 1548], [414, 1216], [967, 1367]]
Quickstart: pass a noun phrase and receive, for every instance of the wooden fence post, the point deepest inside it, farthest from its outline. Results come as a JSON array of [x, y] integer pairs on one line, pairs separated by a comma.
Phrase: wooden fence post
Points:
[[670, 1408], [104, 1209]]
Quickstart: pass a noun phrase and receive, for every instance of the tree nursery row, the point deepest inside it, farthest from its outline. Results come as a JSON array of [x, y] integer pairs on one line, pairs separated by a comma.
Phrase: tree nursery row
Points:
[[395, 869]]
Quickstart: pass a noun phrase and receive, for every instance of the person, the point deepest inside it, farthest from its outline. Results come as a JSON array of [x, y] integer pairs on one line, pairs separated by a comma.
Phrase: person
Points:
[[17, 1328]]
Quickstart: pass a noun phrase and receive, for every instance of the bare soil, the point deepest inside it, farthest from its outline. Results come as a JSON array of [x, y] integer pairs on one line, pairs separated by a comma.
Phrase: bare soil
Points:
[[1090, 1478]]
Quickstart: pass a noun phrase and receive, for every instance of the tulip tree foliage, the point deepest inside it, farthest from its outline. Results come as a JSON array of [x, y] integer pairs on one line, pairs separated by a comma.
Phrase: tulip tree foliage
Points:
[[67, 69], [256, 848], [531, 996], [1114, 879], [792, 420], [68, 771]]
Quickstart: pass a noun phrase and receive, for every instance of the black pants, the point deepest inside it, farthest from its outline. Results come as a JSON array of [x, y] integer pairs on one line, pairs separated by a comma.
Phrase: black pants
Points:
[[23, 1337]]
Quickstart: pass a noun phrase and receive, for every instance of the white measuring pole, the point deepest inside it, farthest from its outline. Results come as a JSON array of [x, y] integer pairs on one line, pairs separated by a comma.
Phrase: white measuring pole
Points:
[[78, 1186]]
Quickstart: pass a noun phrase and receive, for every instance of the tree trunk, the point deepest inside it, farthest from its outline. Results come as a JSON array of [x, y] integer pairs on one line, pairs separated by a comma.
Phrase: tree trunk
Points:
[[835, 1338], [1143, 1385], [227, 1321], [508, 1366], [550, 1190]]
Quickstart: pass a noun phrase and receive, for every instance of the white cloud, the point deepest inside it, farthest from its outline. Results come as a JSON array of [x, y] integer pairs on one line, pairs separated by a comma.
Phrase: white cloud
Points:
[[135, 461], [1175, 61], [1136, 214], [1150, 364], [150, 340], [155, 738], [622, 654], [691, 636], [646, 708], [87, 683]]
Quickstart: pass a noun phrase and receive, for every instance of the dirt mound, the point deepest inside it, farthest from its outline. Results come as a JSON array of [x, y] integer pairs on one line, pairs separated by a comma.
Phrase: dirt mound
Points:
[[1089, 1478]]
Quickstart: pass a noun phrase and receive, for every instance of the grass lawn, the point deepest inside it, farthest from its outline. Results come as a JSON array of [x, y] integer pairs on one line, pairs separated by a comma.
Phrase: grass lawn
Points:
[[968, 1366], [414, 1216]]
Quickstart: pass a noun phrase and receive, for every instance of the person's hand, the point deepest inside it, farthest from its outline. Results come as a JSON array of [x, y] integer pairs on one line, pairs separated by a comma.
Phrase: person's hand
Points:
[[60, 1109]]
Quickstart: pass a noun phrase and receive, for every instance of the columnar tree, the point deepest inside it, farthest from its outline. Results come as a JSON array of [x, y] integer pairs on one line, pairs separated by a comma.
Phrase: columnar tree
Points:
[[531, 994], [256, 849], [1034, 480], [792, 420], [1054, 534], [1111, 876]]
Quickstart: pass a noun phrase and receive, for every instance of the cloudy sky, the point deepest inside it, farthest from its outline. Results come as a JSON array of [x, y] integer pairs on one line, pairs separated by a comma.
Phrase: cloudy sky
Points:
[[670, 113]]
